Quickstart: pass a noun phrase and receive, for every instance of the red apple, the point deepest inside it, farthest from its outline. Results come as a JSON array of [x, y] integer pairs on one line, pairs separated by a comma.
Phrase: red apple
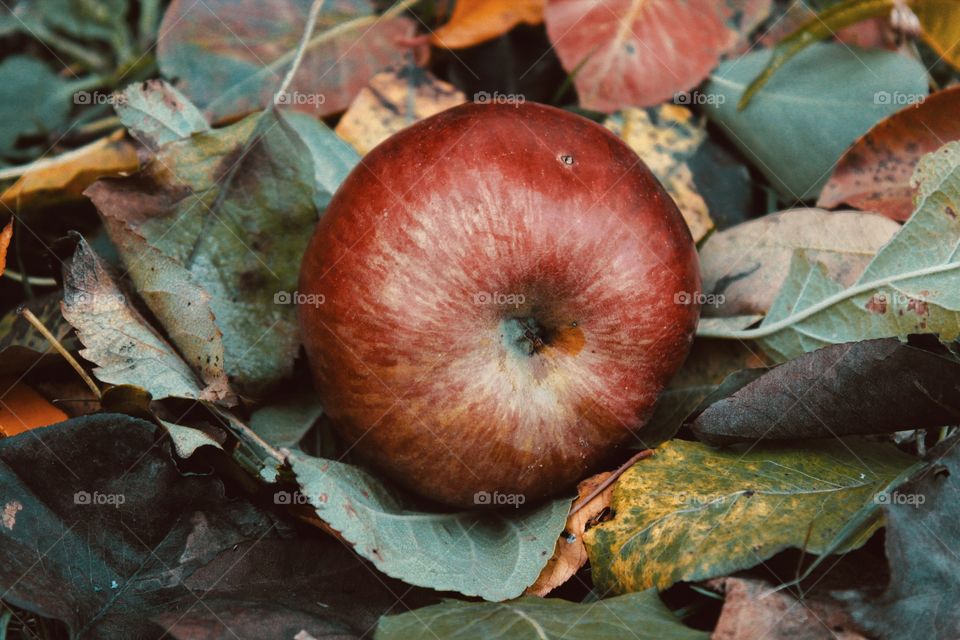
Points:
[[499, 293]]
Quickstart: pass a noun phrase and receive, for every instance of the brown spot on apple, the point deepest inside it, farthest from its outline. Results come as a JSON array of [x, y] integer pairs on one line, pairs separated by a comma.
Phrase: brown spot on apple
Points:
[[568, 340]]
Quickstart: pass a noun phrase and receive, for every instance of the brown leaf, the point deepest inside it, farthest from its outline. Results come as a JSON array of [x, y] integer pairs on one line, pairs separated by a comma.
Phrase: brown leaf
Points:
[[5, 236], [570, 554], [744, 267], [63, 178], [476, 21], [394, 100], [23, 409], [752, 611], [641, 52], [874, 174]]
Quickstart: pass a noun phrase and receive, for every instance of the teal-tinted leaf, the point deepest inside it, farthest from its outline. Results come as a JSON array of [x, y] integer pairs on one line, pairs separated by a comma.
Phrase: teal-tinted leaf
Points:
[[103, 20], [230, 56], [285, 421], [642, 616], [494, 555], [37, 100], [332, 157], [234, 207], [800, 124], [187, 440], [156, 113], [118, 340]]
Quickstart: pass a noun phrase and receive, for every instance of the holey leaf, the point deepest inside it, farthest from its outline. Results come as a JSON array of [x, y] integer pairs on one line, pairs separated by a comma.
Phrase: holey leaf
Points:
[[912, 285], [494, 555], [234, 209], [691, 512]]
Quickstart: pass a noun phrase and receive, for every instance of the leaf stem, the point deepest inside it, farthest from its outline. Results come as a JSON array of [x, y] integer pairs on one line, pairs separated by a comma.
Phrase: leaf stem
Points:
[[35, 321], [580, 504]]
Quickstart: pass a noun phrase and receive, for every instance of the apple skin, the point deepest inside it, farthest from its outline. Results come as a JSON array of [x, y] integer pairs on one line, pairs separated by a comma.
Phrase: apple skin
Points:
[[503, 299]]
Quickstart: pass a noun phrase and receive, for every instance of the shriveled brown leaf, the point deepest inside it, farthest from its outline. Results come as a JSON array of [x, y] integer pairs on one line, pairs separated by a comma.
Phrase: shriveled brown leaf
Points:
[[394, 100], [874, 174], [745, 266], [666, 138], [570, 554], [476, 21], [63, 178]]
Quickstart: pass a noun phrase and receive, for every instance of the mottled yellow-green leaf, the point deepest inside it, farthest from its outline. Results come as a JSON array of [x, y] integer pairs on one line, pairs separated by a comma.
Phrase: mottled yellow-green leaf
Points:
[[692, 512]]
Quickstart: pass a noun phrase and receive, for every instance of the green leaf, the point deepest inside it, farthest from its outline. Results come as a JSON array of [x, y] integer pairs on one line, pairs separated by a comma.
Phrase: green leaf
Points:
[[287, 419], [332, 157], [187, 440], [156, 113], [642, 616], [491, 554], [235, 208], [42, 101], [799, 125], [912, 285], [692, 512]]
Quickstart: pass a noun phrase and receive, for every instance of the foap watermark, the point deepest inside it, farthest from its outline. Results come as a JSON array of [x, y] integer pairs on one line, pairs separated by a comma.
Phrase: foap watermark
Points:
[[289, 497], [499, 299], [98, 499], [497, 499], [898, 98], [698, 297], [295, 297], [85, 298], [688, 98], [485, 97], [298, 98], [880, 301], [899, 498], [98, 97]]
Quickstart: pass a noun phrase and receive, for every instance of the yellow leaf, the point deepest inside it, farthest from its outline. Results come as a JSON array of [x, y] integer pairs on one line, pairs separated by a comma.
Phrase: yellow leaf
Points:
[[940, 22], [63, 178], [22, 408], [394, 100], [475, 21]]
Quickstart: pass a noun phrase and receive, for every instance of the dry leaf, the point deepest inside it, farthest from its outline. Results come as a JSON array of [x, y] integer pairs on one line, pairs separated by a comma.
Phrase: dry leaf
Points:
[[63, 178], [475, 21], [570, 554], [394, 100], [665, 138], [5, 237], [22, 408]]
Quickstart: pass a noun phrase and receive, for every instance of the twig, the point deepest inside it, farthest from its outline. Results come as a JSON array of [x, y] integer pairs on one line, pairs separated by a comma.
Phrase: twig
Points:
[[580, 504], [35, 321], [301, 51]]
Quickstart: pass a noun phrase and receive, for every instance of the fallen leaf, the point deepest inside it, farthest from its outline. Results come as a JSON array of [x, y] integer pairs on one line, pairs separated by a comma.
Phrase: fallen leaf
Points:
[[476, 21], [286, 419], [874, 174], [233, 208], [753, 610], [394, 100], [666, 139], [744, 267], [23, 409], [923, 520], [5, 236], [796, 148], [691, 512], [116, 337], [230, 58], [570, 554], [42, 104], [63, 178], [874, 386], [155, 113], [940, 24], [22, 347], [642, 616], [901, 292], [491, 554], [624, 53]]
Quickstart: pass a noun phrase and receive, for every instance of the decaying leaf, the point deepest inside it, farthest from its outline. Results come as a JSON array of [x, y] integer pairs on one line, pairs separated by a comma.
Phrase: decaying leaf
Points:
[[394, 100], [508, 547], [63, 178], [476, 21], [116, 337], [285, 420], [6, 234], [940, 24], [570, 554], [666, 138], [902, 291], [155, 113], [874, 174], [22, 408], [691, 512], [874, 386], [642, 616], [744, 267], [624, 53], [230, 58]]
